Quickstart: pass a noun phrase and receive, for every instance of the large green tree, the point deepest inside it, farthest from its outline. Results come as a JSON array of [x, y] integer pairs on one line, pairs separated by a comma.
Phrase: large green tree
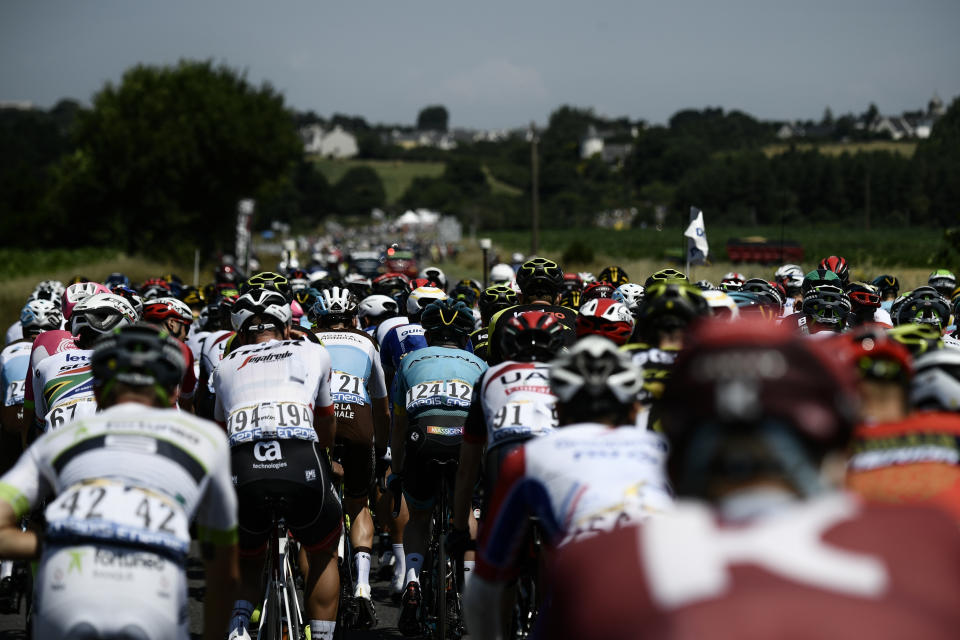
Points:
[[163, 157], [938, 158], [433, 118], [358, 191]]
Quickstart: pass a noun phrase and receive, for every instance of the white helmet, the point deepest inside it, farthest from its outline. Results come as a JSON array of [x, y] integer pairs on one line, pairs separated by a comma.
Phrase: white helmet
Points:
[[160, 309], [40, 315], [595, 372], [262, 303], [102, 312], [936, 382], [721, 305], [335, 301], [630, 294], [436, 275], [501, 273], [75, 293], [377, 306], [420, 297]]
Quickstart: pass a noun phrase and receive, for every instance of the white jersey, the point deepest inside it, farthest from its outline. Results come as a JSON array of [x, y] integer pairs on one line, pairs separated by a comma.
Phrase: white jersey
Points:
[[14, 364], [14, 333], [131, 474], [195, 340], [272, 390], [387, 325], [353, 355], [214, 345], [63, 388], [514, 401]]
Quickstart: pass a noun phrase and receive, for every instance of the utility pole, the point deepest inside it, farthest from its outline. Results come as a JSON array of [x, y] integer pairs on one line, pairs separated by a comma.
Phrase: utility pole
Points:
[[535, 185], [866, 199]]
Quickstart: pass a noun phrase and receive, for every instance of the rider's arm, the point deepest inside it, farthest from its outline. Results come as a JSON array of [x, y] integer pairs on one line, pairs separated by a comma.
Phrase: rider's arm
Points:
[[471, 453], [20, 489], [380, 404], [398, 438], [324, 416]]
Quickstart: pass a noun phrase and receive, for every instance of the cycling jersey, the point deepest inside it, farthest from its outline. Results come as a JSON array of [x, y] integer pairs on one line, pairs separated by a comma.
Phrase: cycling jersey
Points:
[[14, 363], [14, 333], [271, 390], [44, 345], [655, 364], [831, 567], [398, 340], [214, 346], [480, 342], [124, 487], [63, 389], [580, 480], [512, 401], [566, 317], [436, 381]]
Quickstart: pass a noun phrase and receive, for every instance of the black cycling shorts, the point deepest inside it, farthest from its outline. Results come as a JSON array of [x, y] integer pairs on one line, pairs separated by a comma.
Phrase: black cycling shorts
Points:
[[430, 440], [292, 478], [358, 461]]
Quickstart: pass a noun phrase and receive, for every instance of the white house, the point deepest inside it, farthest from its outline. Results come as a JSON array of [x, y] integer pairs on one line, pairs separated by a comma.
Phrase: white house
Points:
[[335, 143], [591, 143]]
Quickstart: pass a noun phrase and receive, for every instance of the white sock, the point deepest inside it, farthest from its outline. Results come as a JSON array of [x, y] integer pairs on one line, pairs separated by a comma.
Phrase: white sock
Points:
[[322, 629], [6, 569], [363, 567], [399, 566], [468, 567], [240, 618], [414, 562]]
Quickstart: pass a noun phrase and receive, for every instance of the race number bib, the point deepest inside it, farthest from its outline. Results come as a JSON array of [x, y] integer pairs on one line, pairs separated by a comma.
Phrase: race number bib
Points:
[[69, 411], [523, 418], [112, 512], [347, 388], [13, 394], [271, 421], [439, 393]]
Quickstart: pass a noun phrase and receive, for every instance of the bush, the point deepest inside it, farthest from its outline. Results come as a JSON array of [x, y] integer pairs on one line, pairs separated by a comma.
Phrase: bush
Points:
[[577, 252]]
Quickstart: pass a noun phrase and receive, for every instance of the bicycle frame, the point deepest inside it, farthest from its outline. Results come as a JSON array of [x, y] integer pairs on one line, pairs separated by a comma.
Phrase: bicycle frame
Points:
[[281, 608]]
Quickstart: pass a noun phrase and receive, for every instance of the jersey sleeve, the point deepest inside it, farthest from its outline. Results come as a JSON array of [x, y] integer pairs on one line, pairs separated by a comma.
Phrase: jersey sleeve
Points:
[[377, 385], [217, 510], [24, 486], [323, 402], [219, 412], [398, 391], [188, 384], [475, 428]]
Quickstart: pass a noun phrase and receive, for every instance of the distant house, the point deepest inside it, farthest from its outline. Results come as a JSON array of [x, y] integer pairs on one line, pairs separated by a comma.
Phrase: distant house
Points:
[[413, 139], [600, 142], [789, 130], [333, 143], [910, 124]]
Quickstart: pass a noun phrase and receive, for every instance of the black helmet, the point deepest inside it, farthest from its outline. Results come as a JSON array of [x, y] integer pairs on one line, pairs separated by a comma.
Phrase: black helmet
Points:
[[267, 280], [885, 284], [924, 305], [539, 275], [827, 306], [139, 355], [665, 275], [449, 320], [496, 298], [532, 336], [615, 275], [668, 306]]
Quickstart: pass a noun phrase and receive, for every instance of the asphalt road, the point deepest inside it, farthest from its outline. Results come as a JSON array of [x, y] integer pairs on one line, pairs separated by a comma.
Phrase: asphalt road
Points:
[[12, 626]]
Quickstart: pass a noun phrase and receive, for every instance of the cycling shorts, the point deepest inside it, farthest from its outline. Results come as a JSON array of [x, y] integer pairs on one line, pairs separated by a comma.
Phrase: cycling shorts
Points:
[[289, 477], [108, 591], [358, 462], [430, 440]]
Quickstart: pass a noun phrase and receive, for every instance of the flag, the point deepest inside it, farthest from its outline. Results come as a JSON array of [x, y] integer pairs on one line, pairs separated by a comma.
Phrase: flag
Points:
[[697, 248]]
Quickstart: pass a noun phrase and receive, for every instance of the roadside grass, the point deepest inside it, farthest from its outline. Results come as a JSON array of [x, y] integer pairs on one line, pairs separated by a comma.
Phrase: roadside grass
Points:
[[837, 148], [395, 174]]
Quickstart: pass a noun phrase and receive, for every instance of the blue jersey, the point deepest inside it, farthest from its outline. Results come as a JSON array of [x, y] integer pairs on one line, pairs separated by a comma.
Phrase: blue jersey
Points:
[[436, 381], [14, 363], [399, 341]]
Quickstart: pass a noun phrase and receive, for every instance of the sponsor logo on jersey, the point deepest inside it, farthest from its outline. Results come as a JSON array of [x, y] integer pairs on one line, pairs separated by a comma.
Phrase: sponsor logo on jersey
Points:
[[270, 357], [72, 358], [268, 451], [310, 475], [445, 431]]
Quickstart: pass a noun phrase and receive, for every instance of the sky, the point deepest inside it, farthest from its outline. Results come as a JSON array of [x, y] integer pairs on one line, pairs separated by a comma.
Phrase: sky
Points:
[[503, 64]]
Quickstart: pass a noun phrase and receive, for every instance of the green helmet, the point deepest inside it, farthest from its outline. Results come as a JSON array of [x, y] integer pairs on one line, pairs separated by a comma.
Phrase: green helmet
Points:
[[448, 320], [665, 275], [917, 338], [819, 278], [667, 306]]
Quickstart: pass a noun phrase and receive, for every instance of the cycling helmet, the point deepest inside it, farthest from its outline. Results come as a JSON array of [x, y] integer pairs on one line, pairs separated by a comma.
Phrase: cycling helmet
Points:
[[887, 285], [299, 279], [317, 276], [154, 288], [501, 273], [44, 291], [55, 286], [168, 308], [917, 338], [826, 307], [732, 280], [598, 289], [594, 378], [605, 317], [532, 336], [306, 298], [435, 275], [614, 275], [924, 306], [631, 295], [788, 272], [465, 292], [722, 305], [878, 357], [360, 285], [540, 276], [101, 313], [421, 297], [390, 284], [936, 385], [77, 292], [496, 298], [820, 277], [40, 315], [668, 306], [729, 382], [664, 275], [448, 320], [768, 293], [943, 281], [267, 280], [139, 355], [116, 278], [262, 303], [704, 285], [571, 299], [131, 296], [175, 283], [378, 307], [192, 296], [839, 266], [334, 305], [572, 282], [416, 283], [585, 277], [227, 274], [864, 301]]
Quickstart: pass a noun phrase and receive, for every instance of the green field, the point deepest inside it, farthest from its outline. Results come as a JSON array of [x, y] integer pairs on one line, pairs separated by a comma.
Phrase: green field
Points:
[[837, 148], [396, 175]]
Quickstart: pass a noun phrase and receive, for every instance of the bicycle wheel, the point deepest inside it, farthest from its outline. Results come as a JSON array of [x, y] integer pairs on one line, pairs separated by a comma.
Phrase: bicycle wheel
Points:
[[442, 575], [293, 613]]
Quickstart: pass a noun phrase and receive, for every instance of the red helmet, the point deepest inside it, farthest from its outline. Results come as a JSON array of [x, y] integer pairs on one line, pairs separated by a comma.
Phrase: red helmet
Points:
[[598, 289], [389, 283], [416, 283], [605, 317], [161, 309], [838, 265], [532, 336], [876, 355]]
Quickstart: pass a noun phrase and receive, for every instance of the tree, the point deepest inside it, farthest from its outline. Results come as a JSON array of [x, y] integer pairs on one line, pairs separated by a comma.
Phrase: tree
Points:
[[163, 157], [359, 190], [433, 118], [938, 159]]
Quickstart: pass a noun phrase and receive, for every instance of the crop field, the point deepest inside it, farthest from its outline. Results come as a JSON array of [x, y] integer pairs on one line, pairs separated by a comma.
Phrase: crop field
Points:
[[837, 148], [396, 175]]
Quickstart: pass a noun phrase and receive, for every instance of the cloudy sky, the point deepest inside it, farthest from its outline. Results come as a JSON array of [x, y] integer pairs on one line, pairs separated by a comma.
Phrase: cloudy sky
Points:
[[504, 63]]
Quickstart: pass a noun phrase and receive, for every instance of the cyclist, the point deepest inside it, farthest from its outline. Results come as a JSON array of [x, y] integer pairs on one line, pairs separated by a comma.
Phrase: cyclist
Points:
[[839, 266], [889, 288], [493, 299], [943, 281], [540, 281], [825, 309], [605, 317], [431, 399], [50, 290], [213, 345], [125, 485], [363, 419], [273, 398], [614, 275], [175, 317], [753, 412], [401, 335], [502, 273], [595, 473], [924, 305], [631, 295], [865, 306]]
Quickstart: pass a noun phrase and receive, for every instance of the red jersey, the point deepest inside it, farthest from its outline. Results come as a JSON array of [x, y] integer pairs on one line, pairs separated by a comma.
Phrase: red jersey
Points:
[[913, 460], [830, 567]]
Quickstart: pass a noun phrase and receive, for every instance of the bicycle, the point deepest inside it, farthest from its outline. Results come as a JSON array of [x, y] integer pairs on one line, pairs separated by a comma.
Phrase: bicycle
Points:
[[348, 610], [281, 616]]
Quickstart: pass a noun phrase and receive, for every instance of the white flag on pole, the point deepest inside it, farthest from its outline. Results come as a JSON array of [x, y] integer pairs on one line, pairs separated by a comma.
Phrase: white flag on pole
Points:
[[697, 247]]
